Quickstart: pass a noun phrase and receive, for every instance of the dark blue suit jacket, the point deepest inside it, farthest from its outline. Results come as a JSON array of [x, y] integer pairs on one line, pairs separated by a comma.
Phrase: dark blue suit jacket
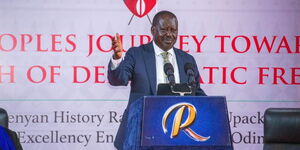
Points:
[[139, 67]]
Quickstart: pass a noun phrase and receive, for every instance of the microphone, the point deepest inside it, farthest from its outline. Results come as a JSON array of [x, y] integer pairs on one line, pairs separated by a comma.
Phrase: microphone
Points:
[[169, 71], [189, 70]]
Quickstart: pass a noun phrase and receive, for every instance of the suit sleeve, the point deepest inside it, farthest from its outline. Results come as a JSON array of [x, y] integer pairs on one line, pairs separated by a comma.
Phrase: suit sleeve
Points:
[[199, 91], [15, 139], [124, 72]]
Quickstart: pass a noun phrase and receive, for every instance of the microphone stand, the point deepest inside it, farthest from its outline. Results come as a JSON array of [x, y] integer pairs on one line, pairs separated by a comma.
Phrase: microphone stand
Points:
[[181, 93]]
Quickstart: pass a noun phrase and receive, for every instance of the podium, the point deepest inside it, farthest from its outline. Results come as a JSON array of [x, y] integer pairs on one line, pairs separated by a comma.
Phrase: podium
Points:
[[178, 123]]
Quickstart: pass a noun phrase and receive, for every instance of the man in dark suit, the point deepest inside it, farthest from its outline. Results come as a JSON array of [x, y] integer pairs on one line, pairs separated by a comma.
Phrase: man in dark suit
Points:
[[8, 137], [143, 65]]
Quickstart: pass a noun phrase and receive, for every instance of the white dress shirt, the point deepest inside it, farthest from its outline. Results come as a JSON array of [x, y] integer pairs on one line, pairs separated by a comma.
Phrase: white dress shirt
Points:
[[160, 74]]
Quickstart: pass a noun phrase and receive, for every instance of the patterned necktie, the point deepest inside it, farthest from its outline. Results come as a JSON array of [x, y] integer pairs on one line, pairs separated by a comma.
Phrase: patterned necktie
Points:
[[165, 56]]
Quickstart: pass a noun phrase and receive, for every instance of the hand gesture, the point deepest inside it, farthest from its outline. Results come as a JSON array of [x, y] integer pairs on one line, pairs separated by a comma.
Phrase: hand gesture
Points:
[[117, 47]]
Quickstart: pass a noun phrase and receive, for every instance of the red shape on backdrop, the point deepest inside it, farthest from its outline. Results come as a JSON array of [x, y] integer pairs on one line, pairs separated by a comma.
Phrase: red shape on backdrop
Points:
[[140, 8]]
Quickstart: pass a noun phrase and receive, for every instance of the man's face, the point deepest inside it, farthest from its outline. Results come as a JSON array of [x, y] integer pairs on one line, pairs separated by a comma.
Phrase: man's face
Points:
[[165, 32]]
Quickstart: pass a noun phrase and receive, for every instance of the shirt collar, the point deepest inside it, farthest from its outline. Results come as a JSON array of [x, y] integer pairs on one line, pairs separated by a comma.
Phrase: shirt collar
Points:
[[158, 50]]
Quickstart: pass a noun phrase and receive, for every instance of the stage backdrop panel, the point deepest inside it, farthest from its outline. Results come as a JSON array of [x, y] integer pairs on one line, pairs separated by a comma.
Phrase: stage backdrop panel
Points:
[[54, 56]]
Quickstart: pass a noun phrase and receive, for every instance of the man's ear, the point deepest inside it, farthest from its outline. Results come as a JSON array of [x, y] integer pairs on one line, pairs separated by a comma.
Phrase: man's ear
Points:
[[153, 30]]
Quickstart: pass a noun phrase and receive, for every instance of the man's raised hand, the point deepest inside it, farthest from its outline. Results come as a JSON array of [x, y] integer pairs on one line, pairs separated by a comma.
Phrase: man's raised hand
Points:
[[117, 46]]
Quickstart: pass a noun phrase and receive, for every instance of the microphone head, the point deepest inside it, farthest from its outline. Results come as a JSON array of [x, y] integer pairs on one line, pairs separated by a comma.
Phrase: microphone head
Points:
[[188, 66], [168, 68]]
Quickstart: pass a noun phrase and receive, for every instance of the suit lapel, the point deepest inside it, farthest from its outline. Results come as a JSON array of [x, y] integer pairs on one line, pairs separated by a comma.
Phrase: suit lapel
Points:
[[180, 63], [150, 63]]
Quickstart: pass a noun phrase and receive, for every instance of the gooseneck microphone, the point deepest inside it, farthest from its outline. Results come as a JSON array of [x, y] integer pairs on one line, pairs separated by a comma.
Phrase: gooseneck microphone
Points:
[[189, 70], [169, 71]]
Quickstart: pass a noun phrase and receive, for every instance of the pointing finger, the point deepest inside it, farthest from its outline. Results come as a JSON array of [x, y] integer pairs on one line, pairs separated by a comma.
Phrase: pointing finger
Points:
[[117, 37]]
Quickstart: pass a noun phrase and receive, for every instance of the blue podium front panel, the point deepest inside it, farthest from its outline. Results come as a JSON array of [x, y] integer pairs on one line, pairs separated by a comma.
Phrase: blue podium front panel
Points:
[[185, 121]]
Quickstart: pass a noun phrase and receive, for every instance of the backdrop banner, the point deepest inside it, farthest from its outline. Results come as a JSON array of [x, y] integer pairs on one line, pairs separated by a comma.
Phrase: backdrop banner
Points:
[[54, 56]]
